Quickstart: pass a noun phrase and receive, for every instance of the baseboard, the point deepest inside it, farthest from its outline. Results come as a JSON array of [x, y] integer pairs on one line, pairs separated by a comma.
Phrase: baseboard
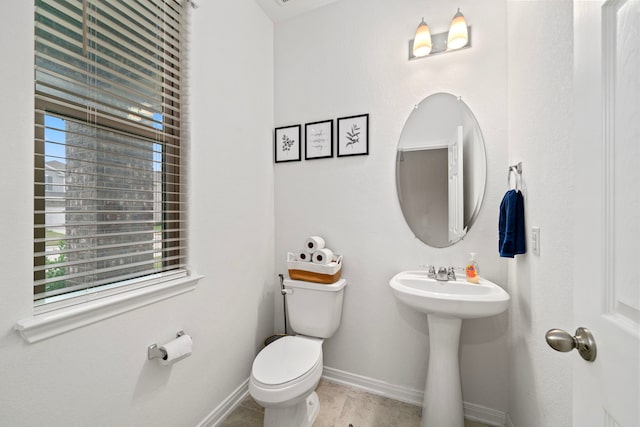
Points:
[[472, 411], [485, 415], [373, 386], [223, 410]]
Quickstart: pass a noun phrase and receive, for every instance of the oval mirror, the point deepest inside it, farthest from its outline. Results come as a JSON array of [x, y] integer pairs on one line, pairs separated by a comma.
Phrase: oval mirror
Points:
[[441, 170]]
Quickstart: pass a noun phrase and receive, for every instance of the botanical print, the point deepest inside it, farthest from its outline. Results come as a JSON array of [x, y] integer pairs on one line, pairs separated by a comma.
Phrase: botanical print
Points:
[[286, 142], [353, 135]]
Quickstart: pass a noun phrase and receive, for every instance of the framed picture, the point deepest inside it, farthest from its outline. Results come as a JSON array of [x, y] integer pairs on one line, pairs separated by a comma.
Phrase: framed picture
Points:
[[286, 144], [353, 135], [318, 140]]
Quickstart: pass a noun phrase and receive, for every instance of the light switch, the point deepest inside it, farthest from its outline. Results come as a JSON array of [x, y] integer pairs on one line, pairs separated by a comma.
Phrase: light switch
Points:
[[535, 240]]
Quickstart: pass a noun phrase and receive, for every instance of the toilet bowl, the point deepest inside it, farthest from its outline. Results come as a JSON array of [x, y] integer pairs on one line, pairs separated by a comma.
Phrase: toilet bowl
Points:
[[285, 373], [283, 379]]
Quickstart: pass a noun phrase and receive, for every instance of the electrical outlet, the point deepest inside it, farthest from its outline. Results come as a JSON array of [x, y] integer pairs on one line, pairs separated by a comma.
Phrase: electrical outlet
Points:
[[535, 240]]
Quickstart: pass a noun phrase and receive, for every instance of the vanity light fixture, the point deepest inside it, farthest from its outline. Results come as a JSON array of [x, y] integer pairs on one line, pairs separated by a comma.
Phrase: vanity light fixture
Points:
[[426, 44]]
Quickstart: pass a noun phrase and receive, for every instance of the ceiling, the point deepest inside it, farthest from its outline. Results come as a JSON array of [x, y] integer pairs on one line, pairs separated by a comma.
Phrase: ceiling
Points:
[[278, 10]]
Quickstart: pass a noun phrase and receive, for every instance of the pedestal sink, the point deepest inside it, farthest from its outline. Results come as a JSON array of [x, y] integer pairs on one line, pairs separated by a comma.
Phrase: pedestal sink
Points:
[[446, 304]]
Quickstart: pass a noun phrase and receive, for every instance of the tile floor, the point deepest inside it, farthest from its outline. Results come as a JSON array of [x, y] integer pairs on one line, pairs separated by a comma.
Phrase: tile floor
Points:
[[340, 406]]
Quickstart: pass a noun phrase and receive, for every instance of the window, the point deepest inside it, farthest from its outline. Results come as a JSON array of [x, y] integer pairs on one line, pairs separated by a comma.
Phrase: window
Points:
[[109, 186]]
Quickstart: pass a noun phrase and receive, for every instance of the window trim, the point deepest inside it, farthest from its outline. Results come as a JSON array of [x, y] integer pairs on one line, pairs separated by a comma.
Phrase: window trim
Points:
[[96, 307], [98, 304]]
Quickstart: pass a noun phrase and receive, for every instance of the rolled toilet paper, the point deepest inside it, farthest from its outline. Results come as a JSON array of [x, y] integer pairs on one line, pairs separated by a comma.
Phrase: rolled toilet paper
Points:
[[303, 255], [314, 243], [176, 350], [322, 256]]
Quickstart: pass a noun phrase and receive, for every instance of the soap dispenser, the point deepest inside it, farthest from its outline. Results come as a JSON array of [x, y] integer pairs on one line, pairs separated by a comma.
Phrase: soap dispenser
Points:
[[473, 274]]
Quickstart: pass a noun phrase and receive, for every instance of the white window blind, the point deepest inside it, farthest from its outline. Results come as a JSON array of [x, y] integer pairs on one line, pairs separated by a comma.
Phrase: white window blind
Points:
[[109, 187]]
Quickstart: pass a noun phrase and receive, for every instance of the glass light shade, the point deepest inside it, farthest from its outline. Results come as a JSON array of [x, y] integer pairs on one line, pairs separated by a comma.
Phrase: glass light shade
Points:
[[458, 34], [422, 40]]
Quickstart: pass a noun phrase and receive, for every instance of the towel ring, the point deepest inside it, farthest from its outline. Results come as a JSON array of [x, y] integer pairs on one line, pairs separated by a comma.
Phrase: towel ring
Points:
[[517, 172]]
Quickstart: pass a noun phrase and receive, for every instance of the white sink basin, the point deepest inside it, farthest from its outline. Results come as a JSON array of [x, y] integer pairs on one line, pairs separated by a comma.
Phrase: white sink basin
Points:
[[459, 298]]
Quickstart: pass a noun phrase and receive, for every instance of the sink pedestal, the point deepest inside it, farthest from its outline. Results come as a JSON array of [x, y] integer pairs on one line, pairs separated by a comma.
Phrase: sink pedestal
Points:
[[442, 404]]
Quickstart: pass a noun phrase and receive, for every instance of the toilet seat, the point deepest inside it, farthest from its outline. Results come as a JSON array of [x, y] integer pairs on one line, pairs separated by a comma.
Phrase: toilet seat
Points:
[[286, 370], [286, 359]]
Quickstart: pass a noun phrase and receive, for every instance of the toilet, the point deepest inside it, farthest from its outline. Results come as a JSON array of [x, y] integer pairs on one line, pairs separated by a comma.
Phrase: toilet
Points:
[[285, 373]]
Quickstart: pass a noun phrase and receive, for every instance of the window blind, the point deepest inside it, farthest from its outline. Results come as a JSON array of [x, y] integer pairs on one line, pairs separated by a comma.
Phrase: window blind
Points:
[[109, 190]]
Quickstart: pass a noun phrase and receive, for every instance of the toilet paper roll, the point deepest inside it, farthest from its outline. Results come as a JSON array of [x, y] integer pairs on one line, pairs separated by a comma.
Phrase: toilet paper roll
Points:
[[176, 350], [303, 255], [314, 243], [322, 256]]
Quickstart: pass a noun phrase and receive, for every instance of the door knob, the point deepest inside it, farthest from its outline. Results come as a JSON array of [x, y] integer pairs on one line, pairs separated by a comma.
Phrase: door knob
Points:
[[563, 341]]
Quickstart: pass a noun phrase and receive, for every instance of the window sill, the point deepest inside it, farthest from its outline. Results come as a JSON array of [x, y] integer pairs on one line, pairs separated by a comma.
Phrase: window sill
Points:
[[46, 325]]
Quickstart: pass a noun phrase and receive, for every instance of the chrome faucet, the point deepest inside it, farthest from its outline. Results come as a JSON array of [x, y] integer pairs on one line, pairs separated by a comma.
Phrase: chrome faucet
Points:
[[442, 274]]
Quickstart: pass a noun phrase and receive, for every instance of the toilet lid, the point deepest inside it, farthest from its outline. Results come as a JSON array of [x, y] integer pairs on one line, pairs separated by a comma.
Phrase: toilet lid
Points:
[[286, 359]]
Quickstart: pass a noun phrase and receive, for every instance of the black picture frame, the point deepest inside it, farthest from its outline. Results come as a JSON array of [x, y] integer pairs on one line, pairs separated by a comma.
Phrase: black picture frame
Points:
[[286, 144], [318, 140], [353, 136]]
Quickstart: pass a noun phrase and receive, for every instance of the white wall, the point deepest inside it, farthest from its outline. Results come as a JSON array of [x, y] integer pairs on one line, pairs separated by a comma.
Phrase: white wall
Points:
[[348, 58], [99, 375], [540, 66]]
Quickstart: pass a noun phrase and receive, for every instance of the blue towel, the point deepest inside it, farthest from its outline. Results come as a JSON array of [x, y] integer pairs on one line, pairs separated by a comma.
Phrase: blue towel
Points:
[[511, 231]]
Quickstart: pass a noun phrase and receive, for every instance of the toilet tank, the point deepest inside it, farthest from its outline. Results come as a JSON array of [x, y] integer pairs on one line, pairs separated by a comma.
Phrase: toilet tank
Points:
[[314, 309]]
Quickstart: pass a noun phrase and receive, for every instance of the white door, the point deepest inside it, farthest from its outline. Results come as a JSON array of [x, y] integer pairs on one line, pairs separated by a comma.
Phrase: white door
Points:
[[607, 196], [456, 185]]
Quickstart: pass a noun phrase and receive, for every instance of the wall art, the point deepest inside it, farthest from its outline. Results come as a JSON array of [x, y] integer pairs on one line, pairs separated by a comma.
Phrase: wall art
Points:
[[318, 140], [286, 144], [353, 135]]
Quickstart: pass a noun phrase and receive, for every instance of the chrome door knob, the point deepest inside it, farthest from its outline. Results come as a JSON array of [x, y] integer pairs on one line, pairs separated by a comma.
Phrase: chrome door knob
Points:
[[563, 341]]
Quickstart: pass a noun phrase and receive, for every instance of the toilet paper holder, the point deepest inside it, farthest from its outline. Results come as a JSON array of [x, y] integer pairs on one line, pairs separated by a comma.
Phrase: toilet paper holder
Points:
[[155, 352]]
